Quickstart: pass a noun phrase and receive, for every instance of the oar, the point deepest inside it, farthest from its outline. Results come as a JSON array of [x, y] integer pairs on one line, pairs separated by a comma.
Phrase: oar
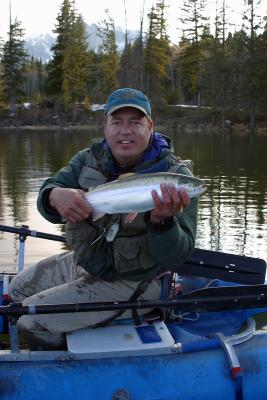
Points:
[[25, 231], [204, 263], [225, 266], [204, 300]]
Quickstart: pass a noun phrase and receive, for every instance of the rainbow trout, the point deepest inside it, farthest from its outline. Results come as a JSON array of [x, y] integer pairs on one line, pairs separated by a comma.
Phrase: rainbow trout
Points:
[[131, 193]]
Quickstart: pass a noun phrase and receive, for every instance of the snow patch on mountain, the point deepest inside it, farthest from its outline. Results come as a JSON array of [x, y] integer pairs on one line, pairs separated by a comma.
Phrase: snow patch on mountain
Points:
[[40, 46]]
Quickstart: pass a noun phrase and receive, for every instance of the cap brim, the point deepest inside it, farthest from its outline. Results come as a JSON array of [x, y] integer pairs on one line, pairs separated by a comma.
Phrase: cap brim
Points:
[[115, 108]]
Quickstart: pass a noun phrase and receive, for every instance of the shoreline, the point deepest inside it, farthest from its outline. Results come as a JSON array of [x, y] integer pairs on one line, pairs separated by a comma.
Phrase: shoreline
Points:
[[175, 118], [175, 127]]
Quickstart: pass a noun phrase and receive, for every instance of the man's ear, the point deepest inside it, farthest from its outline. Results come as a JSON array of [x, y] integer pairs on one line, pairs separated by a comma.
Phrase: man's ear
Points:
[[150, 124], [104, 124]]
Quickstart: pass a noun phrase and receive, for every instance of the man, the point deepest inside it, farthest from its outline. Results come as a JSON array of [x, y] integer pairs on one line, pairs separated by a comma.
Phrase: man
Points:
[[110, 259]]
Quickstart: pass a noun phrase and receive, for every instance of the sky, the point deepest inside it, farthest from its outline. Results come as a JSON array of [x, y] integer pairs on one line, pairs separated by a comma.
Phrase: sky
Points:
[[39, 16]]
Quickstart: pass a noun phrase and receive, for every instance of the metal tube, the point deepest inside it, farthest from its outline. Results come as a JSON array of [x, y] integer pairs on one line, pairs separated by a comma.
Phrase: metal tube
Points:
[[21, 253]]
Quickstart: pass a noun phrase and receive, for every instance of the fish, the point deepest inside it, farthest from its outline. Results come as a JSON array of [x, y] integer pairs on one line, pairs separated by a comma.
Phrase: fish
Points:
[[131, 193]]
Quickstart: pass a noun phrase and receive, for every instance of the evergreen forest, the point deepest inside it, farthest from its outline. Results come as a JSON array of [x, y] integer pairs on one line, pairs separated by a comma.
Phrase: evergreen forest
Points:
[[216, 67]]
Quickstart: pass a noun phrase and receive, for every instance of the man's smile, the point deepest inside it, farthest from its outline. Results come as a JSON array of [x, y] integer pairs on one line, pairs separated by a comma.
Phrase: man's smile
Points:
[[126, 141]]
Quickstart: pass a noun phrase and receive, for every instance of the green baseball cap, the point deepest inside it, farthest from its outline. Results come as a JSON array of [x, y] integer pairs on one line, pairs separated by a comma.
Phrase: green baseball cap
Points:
[[127, 97]]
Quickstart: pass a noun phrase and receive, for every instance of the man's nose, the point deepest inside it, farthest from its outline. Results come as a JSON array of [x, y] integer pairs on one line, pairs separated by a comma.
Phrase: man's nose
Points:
[[126, 127]]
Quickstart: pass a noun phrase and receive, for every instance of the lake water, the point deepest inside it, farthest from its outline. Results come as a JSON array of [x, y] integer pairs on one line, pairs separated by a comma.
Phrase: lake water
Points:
[[232, 213]]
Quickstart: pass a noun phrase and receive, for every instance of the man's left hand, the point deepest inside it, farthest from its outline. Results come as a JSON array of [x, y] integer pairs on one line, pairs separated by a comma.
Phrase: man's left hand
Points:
[[173, 202]]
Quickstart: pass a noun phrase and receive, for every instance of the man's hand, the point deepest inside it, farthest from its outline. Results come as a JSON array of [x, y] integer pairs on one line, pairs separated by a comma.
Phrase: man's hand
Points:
[[70, 204], [173, 202]]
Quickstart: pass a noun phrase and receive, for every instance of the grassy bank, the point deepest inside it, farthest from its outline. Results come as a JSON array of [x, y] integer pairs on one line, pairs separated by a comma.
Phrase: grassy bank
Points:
[[177, 118]]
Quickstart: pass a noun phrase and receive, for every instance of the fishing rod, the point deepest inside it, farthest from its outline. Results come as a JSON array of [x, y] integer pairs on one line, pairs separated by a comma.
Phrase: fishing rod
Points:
[[206, 263], [203, 300]]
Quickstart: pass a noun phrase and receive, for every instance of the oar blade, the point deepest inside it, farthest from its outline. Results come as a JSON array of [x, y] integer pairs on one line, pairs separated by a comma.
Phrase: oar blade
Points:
[[225, 266]]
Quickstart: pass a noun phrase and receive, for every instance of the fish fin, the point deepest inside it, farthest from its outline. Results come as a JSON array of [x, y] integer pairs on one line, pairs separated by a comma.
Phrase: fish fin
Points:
[[123, 176], [130, 217], [97, 214]]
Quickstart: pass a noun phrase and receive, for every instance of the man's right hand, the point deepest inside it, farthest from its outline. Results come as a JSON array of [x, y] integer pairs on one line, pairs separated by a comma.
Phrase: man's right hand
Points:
[[70, 204]]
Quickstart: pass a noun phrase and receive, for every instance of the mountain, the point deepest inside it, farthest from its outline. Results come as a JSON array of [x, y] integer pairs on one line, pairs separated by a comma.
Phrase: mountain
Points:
[[40, 46], [95, 41]]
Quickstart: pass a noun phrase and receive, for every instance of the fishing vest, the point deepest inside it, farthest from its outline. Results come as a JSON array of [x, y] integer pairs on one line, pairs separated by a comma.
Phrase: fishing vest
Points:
[[110, 248]]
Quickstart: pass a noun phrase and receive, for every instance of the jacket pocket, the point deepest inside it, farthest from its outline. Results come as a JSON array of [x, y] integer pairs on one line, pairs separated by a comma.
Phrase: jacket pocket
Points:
[[91, 177], [132, 253]]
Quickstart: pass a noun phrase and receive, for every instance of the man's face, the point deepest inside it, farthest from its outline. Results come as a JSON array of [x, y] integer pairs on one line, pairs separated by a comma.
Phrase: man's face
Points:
[[128, 132]]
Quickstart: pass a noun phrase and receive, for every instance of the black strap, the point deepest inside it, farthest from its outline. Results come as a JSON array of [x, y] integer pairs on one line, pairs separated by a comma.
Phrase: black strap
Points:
[[141, 288]]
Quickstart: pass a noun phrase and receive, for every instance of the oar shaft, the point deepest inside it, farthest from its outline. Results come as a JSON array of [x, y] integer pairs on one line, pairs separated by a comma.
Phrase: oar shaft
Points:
[[194, 303]]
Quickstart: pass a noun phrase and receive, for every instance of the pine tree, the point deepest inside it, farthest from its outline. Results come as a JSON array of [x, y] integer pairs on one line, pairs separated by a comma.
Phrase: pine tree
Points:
[[220, 62], [194, 22], [188, 71], [131, 66], [157, 51], [237, 54], [65, 20], [127, 70], [68, 71], [262, 72], [132, 59], [217, 66], [13, 61], [127, 67], [251, 25], [75, 65], [108, 65]]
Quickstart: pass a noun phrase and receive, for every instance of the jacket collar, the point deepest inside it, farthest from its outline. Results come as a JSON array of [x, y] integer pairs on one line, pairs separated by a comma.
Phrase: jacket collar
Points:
[[153, 159]]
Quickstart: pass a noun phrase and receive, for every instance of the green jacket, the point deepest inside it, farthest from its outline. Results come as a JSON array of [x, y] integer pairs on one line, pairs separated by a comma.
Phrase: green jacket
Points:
[[140, 249]]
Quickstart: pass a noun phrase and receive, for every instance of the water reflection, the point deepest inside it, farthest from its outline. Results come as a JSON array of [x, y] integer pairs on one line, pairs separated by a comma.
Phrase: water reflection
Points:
[[232, 213]]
